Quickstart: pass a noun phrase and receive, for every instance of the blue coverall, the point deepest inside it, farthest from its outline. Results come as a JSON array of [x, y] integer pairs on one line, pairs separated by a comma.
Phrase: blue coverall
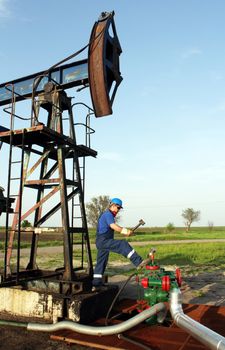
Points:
[[106, 243]]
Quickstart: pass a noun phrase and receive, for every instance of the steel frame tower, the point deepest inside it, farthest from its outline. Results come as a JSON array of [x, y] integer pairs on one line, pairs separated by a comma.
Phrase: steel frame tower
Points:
[[49, 161]]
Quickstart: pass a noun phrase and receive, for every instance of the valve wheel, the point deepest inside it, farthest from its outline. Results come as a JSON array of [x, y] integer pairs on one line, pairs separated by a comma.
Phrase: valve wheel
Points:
[[166, 283], [178, 277]]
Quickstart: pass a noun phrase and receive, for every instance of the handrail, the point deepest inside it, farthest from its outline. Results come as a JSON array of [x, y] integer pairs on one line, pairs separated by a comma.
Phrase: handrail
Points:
[[13, 102]]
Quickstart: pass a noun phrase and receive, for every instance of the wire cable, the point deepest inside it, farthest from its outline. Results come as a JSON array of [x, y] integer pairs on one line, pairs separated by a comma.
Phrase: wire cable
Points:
[[116, 297], [132, 341]]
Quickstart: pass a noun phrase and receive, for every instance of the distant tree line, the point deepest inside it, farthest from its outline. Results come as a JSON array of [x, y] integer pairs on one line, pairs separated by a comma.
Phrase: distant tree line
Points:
[[99, 204]]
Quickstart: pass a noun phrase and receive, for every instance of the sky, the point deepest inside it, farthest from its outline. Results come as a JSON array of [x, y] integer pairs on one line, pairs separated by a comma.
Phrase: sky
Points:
[[162, 149]]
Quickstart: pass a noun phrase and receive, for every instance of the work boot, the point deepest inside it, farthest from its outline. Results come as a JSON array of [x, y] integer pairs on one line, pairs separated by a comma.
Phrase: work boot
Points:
[[95, 288], [98, 287], [143, 263]]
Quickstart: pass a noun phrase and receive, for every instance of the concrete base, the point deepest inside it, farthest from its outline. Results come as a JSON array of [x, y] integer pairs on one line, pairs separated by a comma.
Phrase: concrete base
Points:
[[51, 307]]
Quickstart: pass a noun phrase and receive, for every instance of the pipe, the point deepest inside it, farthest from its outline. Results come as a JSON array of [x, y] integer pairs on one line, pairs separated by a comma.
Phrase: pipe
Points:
[[203, 334], [134, 342], [13, 323], [105, 330]]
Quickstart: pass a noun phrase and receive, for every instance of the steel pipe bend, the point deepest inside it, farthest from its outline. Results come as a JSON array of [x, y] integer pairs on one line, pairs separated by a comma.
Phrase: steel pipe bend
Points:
[[203, 334], [100, 331]]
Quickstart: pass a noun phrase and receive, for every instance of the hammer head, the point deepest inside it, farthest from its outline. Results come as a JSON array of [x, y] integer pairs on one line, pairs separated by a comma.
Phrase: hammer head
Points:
[[141, 222]]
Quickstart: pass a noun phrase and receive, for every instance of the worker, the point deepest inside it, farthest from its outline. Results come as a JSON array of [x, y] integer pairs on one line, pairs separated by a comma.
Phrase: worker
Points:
[[106, 243]]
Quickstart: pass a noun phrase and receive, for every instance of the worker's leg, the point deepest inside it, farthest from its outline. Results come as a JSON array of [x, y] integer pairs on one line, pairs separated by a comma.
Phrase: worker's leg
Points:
[[124, 248], [102, 259]]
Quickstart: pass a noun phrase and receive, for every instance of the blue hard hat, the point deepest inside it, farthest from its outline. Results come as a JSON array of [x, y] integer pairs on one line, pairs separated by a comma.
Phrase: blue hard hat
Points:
[[117, 201]]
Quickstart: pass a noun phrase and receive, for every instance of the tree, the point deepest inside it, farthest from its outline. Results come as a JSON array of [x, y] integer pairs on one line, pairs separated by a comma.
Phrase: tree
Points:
[[190, 216], [170, 227], [95, 208], [210, 225], [25, 223]]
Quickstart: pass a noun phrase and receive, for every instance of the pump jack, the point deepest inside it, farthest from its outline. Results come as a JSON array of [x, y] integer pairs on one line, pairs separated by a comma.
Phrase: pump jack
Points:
[[53, 148], [64, 293]]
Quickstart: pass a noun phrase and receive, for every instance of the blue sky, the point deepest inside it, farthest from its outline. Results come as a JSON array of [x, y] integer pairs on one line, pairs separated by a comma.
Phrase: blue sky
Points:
[[162, 150]]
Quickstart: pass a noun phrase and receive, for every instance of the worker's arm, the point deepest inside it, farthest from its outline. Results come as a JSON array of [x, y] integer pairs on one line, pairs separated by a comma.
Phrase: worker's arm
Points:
[[124, 231]]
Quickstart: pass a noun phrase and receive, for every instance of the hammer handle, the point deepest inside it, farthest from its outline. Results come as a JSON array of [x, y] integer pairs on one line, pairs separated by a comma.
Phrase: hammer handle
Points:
[[135, 227]]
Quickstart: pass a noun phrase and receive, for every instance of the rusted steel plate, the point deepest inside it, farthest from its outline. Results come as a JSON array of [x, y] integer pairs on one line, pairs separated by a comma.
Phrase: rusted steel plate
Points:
[[107, 342], [39, 135], [210, 316], [154, 337], [42, 135]]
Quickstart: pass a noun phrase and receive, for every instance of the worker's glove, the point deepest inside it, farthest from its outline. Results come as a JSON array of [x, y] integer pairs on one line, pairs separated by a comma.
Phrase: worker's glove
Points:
[[125, 231]]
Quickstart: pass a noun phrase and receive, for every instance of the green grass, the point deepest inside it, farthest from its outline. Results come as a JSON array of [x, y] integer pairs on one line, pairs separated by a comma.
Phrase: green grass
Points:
[[196, 255], [54, 243], [160, 234], [175, 236], [199, 293], [192, 258], [141, 235]]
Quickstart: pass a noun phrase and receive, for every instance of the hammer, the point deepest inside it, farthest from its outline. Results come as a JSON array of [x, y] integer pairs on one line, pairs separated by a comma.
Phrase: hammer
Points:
[[141, 222]]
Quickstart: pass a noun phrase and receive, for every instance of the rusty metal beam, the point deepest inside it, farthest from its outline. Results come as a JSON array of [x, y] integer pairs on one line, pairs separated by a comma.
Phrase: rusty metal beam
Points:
[[42, 182], [23, 217], [44, 199], [67, 76], [55, 209]]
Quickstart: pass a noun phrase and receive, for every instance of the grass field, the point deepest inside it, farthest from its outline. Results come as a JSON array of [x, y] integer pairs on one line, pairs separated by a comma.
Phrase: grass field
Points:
[[195, 256], [160, 234], [191, 257], [141, 235]]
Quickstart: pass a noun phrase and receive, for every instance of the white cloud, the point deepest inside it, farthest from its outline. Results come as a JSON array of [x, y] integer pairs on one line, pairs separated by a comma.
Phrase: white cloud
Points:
[[188, 53], [4, 9]]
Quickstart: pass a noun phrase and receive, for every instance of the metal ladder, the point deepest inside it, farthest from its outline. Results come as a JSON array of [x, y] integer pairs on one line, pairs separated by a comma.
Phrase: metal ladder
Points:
[[77, 207], [16, 224]]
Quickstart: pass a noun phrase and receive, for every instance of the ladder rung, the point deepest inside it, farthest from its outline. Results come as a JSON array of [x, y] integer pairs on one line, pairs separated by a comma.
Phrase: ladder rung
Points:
[[14, 195], [16, 162], [77, 230], [14, 178]]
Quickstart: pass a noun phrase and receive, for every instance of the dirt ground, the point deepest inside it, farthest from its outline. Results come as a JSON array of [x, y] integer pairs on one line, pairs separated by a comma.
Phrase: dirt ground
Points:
[[203, 288]]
